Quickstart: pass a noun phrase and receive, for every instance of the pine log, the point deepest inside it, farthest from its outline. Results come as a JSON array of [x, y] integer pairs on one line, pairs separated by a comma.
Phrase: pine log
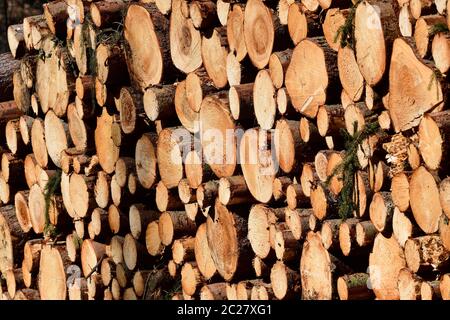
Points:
[[235, 32], [52, 272], [373, 52], [440, 52], [427, 95], [302, 85], [185, 40], [231, 255], [257, 164], [425, 205], [173, 224], [425, 253], [354, 287], [218, 138], [382, 211], [385, 263], [302, 23], [105, 13], [147, 39]]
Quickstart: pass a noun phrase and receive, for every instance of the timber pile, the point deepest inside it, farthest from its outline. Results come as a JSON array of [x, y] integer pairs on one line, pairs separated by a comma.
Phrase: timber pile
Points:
[[226, 149]]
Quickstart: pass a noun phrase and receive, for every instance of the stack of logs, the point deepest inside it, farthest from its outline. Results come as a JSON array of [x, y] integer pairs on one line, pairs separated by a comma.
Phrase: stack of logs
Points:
[[229, 149]]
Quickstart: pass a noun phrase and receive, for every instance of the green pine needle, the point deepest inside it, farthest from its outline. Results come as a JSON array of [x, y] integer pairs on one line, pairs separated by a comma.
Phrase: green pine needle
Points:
[[437, 28], [50, 189], [346, 31], [348, 168]]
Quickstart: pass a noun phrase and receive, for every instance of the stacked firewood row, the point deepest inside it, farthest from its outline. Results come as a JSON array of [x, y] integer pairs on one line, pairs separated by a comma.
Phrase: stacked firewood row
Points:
[[227, 149]]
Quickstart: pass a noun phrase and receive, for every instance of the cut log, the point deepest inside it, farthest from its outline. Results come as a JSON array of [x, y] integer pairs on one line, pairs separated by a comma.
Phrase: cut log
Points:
[[444, 196], [347, 237], [429, 290], [106, 13], [173, 224], [167, 199], [257, 163], [101, 189], [318, 270], [173, 144], [183, 249], [81, 194], [233, 190], [422, 33], [159, 102], [107, 150], [16, 40], [231, 257], [214, 291], [278, 64], [425, 205], [13, 137], [131, 107], [235, 32], [259, 220], [330, 234], [308, 178], [354, 287], [203, 14], [440, 51], [365, 233], [22, 211], [426, 253], [12, 169], [264, 100], [385, 263], [349, 74], [214, 56], [298, 222], [409, 285], [430, 143], [187, 116], [52, 273], [134, 253], [21, 92], [445, 286], [330, 120], [259, 32], [279, 187], [285, 281], [185, 40], [223, 9], [309, 89], [334, 20], [139, 217], [91, 254], [118, 222], [400, 191], [302, 23], [287, 248], [145, 159], [323, 202], [382, 211], [36, 204], [191, 278], [206, 193], [374, 40], [218, 137], [152, 239], [241, 100], [9, 67], [295, 197], [146, 34], [426, 93]]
